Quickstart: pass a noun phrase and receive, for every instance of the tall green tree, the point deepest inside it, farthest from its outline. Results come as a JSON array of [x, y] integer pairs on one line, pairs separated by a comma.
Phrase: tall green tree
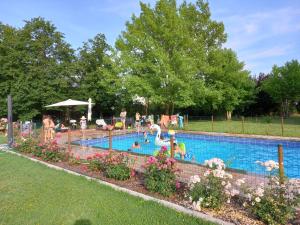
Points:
[[9, 66], [226, 75], [164, 49], [283, 85], [97, 74], [39, 64]]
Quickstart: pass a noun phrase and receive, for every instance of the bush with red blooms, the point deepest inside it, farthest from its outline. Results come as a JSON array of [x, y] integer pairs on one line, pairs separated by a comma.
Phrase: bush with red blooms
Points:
[[49, 151], [160, 173], [113, 164]]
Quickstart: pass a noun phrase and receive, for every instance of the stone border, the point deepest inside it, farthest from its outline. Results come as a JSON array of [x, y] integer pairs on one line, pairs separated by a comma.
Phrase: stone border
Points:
[[165, 203]]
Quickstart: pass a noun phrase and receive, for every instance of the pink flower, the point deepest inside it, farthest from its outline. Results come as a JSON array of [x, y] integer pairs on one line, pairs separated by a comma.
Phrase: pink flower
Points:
[[151, 160], [77, 157], [132, 173], [178, 185], [89, 157], [164, 148]]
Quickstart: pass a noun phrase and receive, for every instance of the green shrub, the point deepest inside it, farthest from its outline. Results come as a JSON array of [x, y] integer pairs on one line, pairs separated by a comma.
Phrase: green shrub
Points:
[[209, 192], [274, 204], [118, 172], [160, 174], [25, 145], [113, 164]]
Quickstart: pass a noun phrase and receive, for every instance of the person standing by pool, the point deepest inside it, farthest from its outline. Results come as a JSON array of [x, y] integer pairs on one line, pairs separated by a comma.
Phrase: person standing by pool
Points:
[[137, 121], [123, 118], [83, 125]]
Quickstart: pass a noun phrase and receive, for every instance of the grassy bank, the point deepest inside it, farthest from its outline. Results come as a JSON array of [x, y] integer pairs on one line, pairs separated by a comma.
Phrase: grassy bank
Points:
[[31, 193]]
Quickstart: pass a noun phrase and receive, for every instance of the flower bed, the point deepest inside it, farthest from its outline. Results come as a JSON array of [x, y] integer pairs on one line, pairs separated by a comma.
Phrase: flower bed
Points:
[[214, 191]]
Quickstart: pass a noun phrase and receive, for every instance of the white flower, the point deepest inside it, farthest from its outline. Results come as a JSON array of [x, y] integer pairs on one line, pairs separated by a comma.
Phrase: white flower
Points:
[[206, 173], [259, 192], [228, 185], [215, 163], [200, 200], [234, 192], [249, 196], [194, 179], [252, 203], [223, 183], [218, 173], [245, 204], [228, 200], [257, 199], [239, 182]]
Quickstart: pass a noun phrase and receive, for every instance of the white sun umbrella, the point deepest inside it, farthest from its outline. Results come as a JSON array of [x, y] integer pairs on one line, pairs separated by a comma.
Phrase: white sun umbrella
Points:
[[70, 102]]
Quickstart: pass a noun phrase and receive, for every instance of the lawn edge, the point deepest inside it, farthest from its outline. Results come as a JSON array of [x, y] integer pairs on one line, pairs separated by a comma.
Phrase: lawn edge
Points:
[[165, 203]]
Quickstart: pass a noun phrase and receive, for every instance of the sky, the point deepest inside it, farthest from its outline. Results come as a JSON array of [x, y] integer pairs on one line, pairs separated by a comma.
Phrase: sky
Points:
[[261, 32]]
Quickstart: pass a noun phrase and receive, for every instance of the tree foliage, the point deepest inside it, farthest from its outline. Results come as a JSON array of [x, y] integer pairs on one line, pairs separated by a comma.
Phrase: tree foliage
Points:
[[38, 61], [283, 85], [173, 55]]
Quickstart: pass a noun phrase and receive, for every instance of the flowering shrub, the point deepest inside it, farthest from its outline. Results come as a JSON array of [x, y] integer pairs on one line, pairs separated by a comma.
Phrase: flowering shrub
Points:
[[25, 145], [160, 173], [273, 203], [114, 165], [215, 188], [49, 151]]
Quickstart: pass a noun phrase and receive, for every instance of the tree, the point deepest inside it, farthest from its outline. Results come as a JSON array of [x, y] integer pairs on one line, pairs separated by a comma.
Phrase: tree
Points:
[[283, 85], [227, 76], [97, 76], [39, 65], [9, 66], [163, 52]]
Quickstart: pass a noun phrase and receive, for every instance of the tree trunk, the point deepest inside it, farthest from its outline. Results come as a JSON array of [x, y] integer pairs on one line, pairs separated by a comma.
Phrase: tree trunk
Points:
[[167, 109], [228, 115], [172, 110]]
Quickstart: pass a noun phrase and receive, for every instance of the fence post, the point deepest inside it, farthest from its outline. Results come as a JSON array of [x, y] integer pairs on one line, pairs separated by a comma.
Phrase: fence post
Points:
[[280, 162], [243, 124], [172, 146], [281, 125], [21, 125], [212, 123], [110, 139], [69, 140]]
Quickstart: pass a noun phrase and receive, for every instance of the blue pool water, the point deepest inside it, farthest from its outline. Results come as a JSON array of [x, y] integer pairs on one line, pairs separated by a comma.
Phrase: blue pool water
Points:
[[238, 153]]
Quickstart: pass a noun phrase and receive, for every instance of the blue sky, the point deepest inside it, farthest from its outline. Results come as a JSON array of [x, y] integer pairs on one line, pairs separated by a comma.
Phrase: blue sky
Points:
[[262, 32]]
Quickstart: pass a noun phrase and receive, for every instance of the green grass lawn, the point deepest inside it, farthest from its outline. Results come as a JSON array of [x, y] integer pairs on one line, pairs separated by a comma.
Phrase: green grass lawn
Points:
[[261, 125], [31, 193]]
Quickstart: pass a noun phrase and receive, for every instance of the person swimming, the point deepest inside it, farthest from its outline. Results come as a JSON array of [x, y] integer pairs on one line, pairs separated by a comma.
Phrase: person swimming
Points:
[[179, 151], [136, 145]]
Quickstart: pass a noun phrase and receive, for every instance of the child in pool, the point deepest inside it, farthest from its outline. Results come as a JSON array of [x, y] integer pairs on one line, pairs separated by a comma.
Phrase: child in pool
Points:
[[146, 137], [179, 150], [135, 145]]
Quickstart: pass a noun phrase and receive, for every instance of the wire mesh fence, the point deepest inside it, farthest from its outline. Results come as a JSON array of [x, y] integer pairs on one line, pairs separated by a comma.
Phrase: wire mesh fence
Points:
[[263, 125], [243, 156]]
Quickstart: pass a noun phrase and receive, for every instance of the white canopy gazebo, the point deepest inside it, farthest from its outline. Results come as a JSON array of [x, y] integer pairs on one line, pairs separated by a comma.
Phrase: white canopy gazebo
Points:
[[71, 102]]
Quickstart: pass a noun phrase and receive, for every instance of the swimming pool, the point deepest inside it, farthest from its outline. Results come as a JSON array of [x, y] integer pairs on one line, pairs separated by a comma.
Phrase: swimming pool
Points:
[[239, 153]]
